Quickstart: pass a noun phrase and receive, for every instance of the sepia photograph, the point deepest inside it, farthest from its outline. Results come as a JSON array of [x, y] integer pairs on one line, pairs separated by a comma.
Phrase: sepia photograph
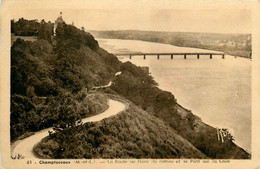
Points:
[[130, 82]]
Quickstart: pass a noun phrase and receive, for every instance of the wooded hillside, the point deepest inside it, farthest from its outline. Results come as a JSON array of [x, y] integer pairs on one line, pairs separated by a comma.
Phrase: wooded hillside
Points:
[[51, 80]]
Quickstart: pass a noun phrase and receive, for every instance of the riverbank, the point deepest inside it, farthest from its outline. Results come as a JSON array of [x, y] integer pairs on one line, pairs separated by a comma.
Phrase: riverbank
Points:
[[188, 131], [143, 92], [217, 90]]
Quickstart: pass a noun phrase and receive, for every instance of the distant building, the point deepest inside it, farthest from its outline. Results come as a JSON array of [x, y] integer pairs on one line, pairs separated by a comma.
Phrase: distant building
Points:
[[145, 69], [58, 21]]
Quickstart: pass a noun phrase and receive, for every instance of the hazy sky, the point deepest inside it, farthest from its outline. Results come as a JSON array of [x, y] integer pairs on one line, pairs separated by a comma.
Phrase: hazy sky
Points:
[[138, 16]]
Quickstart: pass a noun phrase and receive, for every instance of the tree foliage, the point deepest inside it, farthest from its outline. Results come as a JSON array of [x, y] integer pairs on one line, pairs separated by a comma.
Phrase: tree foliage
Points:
[[25, 27], [52, 77], [45, 31]]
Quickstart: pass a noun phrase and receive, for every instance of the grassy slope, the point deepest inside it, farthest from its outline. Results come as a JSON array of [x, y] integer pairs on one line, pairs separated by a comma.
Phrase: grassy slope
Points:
[[132, 134]]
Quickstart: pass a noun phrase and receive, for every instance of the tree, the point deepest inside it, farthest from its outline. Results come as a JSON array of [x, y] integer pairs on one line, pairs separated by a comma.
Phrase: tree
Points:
[[12, 26], [25, 27], [45, 31], [30, 91]]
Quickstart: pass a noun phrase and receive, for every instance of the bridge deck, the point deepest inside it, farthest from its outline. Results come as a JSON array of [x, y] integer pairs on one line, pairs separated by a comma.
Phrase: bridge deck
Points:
[[193, 53], [172, 54]]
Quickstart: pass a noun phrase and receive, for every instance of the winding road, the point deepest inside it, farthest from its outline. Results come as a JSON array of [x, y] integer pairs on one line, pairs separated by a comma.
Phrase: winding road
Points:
[[109, 84], [25, 146]]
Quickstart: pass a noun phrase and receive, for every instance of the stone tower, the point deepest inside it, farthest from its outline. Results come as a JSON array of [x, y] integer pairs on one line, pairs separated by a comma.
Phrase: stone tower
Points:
[[58, 21]]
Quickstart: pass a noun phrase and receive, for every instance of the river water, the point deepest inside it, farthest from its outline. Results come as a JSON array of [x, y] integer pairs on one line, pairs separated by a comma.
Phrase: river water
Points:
[[217, 90]]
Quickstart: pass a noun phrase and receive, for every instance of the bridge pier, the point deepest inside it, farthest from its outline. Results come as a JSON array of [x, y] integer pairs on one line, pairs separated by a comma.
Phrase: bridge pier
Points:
[[171, 54]]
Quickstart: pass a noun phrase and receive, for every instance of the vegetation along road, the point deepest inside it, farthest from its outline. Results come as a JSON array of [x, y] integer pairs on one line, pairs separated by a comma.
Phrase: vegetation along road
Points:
[[25, 146]]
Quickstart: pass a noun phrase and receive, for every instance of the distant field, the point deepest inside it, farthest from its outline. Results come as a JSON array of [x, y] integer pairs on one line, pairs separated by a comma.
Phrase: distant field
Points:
[[26, 38], [232, 44]]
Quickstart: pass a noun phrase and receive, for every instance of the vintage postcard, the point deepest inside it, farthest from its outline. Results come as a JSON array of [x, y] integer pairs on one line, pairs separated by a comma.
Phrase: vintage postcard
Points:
[[130, 84]]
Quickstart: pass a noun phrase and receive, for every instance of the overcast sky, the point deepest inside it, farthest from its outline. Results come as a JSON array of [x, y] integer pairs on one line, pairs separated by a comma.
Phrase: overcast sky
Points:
[[138, 16]]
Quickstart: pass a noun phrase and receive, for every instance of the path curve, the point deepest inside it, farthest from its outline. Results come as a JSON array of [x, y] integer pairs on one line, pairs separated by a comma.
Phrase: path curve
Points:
[[109, 84], [25, 146]]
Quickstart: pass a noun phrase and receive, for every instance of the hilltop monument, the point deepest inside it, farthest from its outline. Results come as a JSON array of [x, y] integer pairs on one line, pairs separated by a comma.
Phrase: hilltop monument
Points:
[[58, 21]]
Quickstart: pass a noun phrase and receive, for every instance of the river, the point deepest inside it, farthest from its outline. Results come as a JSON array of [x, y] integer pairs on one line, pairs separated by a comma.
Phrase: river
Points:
[[217, 90]]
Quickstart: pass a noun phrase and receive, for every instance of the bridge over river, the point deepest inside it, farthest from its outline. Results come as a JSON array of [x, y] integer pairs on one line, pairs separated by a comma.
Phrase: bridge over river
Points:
[[210, 54]]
